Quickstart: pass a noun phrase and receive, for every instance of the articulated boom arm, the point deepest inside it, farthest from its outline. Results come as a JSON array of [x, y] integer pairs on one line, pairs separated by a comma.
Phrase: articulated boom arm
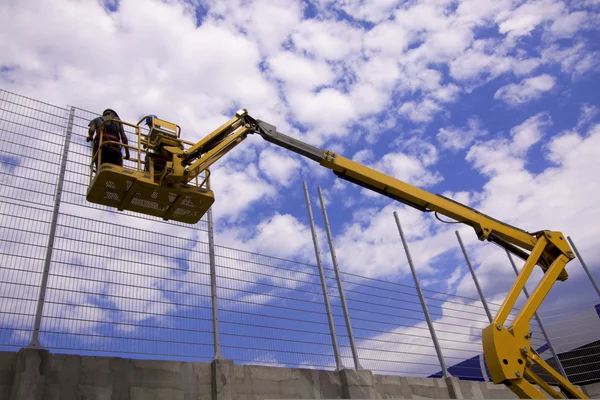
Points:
[[507, 350]]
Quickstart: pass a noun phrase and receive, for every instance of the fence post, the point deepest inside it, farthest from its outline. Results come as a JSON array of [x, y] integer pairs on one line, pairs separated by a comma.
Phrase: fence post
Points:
[[587, 271], [339, 282], [213, 282], [436, 344], [539, 321], [336, 350], [481, 296], [35, 342]]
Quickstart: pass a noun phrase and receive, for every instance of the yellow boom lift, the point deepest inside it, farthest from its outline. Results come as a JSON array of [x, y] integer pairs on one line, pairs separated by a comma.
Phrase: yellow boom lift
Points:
[[167, 184]]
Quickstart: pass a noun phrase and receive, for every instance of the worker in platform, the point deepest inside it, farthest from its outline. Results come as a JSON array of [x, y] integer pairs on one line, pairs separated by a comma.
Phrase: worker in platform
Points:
[[149, 125], [114, 132]]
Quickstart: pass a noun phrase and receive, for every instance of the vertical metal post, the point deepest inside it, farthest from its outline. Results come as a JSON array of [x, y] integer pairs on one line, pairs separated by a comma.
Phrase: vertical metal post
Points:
[[35, 343], [334, 342], [485, 305], [436, 344], [587, 271], [539, 321], [213, 282], [339, 282]]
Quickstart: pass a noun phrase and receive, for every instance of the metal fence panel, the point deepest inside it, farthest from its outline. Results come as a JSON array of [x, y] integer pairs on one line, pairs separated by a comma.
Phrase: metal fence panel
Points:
[[31, 138]]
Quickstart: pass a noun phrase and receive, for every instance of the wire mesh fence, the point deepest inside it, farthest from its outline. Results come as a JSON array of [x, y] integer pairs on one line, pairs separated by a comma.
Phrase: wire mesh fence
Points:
[[271, 311], [119, 283]]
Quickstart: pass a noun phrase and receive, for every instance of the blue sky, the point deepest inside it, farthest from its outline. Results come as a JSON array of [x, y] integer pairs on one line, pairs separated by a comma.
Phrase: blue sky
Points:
[[491, 102]]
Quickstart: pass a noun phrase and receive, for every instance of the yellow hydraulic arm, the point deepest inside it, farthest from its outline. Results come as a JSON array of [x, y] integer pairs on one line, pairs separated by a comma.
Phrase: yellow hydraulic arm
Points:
[[507, 349]]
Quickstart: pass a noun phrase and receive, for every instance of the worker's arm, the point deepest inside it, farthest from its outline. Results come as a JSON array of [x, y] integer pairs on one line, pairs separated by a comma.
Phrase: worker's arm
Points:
[[91, 131], [124, 140]]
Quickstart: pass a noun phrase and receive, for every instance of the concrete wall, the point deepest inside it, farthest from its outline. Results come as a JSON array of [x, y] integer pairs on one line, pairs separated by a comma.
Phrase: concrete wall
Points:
[[38, 375], [7, 361], [593, 390]]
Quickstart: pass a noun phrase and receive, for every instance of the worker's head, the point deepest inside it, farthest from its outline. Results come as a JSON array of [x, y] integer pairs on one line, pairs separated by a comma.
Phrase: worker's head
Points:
[[110, 113], [149, 119]]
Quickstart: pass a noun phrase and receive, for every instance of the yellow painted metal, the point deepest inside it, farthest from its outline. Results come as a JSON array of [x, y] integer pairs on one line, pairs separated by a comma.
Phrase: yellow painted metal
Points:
[[216, 153], [233, 123], [135, 190], [509, 301], [530, 375], [567, 387], [482, 224], [127, 189]]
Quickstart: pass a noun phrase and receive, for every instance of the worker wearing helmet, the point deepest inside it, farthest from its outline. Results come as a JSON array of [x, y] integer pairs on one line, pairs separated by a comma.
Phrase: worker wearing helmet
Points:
[[149, 119], [114, 132]]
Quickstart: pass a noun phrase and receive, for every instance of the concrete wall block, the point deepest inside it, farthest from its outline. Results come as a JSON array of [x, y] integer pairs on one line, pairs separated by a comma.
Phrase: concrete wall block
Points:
[[202, 373], [239, 371], [274, 373], [98, 364], [171, 366], [7, 360], [300, 389], [396, 391], [361, 377], [222, 379], [264, 396], [330, 384], [414, 381], [51, 391], [95, 371], [143, 393], [88, 392], [68, 378], [361, 392], [454, 389], [493, 391], [264, 386], [429, 388], [155, 378], [593, 390], [30, 369], [386, 380]]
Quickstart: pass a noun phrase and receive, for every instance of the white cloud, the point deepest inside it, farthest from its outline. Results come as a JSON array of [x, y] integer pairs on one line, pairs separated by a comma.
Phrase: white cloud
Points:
[[527, 90], [587, 114], [529, 132], [279, 235], [455, 138], [283, 18], [567, 25], [279, 167], [327, 39], [528, 16], [298, 72], [236, 189], [327, 111], [423, 111], [576, 60], [408, 169]]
